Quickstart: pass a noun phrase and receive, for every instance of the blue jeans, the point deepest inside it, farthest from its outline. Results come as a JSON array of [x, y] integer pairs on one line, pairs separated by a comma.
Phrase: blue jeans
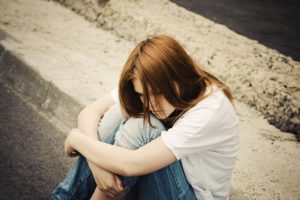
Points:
[[165, 184]]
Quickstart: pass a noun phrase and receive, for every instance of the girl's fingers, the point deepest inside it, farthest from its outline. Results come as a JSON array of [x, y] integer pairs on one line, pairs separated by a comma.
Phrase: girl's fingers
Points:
[[119, 183], [110, 193]]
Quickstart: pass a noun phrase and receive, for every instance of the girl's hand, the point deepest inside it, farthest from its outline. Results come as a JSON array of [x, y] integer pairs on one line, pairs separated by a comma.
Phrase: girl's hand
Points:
[[69, 150], [109, 183]]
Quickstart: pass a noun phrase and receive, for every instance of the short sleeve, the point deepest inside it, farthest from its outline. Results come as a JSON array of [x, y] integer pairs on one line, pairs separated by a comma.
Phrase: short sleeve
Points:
[[115, 95], [203, 128]]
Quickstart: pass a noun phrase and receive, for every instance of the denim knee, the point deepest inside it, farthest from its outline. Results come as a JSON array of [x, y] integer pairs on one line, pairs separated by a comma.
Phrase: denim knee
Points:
[[133, 134], [110, 123], [136, 133]]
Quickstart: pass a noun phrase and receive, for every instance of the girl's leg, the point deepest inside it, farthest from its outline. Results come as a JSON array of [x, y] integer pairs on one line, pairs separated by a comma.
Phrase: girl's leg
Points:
[[79, 182], [167, 183], [99, 195]]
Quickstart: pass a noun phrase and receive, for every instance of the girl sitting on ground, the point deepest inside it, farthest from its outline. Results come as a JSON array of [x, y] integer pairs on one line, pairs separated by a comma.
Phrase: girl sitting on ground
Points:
[[169, 131]]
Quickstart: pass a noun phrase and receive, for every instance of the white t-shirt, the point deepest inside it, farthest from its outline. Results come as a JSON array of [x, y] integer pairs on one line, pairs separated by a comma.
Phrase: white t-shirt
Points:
[[206, 139]]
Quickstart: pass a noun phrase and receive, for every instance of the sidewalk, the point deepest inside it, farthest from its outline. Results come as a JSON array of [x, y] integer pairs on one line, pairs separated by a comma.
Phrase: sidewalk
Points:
[[62, 62]]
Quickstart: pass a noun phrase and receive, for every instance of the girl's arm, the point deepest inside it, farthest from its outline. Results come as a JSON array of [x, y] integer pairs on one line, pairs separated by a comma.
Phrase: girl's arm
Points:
[[89, 117], [88, 120], [150, 157]]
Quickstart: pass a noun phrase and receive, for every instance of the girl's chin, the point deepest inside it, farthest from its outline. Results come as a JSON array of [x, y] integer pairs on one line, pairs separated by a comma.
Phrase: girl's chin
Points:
[[161, 115]]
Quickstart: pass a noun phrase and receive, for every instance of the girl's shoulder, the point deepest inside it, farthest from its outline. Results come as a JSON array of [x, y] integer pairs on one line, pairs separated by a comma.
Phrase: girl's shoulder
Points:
[[214, 99], [216, 103]]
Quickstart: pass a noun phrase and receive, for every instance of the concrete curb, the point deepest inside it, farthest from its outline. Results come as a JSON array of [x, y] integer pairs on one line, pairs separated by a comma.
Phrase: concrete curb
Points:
[[51, 96]]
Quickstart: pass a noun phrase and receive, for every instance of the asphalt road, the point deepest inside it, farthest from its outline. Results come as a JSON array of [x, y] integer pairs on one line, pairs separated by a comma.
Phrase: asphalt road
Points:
[[31, 151], [273, 23]]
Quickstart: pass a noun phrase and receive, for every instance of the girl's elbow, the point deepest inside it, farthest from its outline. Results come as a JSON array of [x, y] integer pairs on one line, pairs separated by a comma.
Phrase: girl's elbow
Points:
[[84, 114], [81, 115]]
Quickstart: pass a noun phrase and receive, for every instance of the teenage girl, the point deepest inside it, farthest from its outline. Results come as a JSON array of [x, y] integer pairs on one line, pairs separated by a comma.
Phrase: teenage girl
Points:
[[169, 131]]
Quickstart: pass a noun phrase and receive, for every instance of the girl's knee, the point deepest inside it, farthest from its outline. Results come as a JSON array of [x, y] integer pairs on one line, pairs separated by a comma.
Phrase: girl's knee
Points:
[[136, 133], [109, 123]]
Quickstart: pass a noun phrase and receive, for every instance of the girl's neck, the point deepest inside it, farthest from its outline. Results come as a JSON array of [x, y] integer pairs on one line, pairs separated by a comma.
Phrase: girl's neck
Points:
[[170, 120]]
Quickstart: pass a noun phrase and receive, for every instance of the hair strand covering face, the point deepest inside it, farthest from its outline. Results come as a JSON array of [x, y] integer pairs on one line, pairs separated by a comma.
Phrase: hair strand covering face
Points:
[[162, 65]]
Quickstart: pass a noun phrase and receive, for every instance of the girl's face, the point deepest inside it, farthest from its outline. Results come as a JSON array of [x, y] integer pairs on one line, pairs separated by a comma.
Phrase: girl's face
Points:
[[161, 111]]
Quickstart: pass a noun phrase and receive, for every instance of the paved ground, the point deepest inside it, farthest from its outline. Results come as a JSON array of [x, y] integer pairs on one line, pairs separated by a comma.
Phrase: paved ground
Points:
[[31, 151], [273, 23]]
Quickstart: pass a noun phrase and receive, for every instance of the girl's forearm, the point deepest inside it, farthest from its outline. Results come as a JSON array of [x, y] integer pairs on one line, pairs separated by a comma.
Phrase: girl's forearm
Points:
[[88, 120], [150, 157], [109, 157], [88, 124]]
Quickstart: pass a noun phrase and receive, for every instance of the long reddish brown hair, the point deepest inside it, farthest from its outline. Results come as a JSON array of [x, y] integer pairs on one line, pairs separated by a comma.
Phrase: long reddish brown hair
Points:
[[161, 64]]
